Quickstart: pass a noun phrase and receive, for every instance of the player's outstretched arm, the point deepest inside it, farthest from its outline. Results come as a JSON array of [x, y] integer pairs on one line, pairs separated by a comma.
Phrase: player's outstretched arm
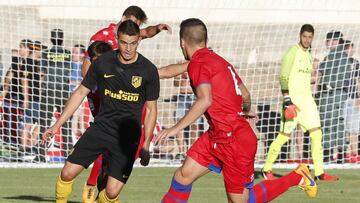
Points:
[[202, 103], [172, 70], [151, 31], [70, 107], [149, 125]]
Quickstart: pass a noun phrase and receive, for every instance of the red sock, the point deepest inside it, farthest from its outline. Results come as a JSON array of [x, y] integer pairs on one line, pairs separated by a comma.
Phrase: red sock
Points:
[[95, 171], [268, 190], [177, 193]]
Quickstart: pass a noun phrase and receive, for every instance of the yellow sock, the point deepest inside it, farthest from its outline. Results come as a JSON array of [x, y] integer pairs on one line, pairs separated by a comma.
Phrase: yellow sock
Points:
[[103, 198], [274, 150], [63, 190], [317, 151]]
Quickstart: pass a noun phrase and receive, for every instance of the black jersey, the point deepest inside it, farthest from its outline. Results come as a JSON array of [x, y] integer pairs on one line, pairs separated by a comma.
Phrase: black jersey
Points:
[[123, 89], [32, 73], [15, 94]]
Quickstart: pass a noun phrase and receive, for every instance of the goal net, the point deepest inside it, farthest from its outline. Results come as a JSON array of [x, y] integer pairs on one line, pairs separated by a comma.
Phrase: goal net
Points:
[[252, 35]]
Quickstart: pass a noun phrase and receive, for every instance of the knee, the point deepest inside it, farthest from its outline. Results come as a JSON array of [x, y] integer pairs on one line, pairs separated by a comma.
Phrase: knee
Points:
[[67, 175], [183, 175], [112, 192]]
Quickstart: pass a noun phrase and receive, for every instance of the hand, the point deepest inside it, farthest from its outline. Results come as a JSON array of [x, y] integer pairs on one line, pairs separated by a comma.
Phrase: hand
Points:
[[165, 134], [290, 109], [162, 27], [48, 134], [144, 157], [251, 117]]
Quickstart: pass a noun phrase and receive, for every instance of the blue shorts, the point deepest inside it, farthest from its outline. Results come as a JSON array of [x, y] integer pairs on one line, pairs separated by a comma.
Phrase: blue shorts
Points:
[[32, 113]]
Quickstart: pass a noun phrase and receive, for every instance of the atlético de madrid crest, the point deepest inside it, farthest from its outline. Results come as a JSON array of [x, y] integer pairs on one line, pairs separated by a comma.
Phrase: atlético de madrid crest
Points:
[[136, 81]]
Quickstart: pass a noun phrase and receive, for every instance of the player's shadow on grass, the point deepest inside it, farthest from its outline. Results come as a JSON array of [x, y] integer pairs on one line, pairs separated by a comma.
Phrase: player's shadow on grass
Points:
[[27, 198]]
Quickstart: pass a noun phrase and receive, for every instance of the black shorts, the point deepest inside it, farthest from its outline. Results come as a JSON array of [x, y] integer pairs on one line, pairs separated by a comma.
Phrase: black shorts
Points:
[[121, 150]]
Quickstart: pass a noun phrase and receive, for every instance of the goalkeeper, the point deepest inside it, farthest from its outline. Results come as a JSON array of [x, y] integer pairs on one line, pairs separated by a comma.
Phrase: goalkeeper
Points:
[[299, 106]]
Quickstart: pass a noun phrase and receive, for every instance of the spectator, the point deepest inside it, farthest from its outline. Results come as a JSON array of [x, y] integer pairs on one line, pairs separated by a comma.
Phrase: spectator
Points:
[[352, 107], [77, 58], [333, 88], [333, 39], [14, 93], [38, 49], [32, 72], [55, 64], [77, 121]]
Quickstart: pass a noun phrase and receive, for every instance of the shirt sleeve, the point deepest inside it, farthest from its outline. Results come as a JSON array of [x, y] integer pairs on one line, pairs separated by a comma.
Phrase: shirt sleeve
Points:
[[90, 80], [152, 88], [199, 73], [287, 64]]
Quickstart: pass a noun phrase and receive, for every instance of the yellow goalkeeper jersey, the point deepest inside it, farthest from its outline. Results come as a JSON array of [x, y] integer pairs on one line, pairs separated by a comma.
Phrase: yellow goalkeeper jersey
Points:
[[295, 73]]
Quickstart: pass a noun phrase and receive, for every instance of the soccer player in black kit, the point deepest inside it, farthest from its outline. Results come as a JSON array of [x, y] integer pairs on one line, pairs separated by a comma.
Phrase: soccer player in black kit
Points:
[[126, 81]]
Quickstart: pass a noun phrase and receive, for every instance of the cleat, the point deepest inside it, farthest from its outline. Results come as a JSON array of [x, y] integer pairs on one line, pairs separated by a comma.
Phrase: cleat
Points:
[[268, 175], [326, 177], [89, 193], [307, 184]]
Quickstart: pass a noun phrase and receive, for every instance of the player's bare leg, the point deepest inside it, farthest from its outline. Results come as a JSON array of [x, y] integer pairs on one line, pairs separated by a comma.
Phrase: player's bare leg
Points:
[[182, 181], [111, 192], [190, 171], [70, 171], [238, 198], [65, 181]]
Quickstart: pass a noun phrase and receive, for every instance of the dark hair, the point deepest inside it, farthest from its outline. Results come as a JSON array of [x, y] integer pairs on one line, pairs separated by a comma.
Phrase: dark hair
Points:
[[27, 43], [137, 12], [81, 47], [98, 48], [334, 34], [307, 28], [38, 46], [128, 27], [57, 36], [193, 30], [348, 44]]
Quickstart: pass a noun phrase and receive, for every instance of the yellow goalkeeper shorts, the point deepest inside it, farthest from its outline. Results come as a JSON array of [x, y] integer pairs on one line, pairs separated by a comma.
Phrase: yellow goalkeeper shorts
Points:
[[308, 117]]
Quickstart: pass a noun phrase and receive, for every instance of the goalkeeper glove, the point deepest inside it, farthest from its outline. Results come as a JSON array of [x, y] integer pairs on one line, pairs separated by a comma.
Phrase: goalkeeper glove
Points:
[[144, 157], [289, 108]]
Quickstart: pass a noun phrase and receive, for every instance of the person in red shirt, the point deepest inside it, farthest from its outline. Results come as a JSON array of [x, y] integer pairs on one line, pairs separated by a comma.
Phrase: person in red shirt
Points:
[[230, 143]]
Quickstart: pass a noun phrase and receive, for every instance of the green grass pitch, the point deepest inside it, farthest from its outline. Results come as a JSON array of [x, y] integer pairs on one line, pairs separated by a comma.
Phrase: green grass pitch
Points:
[[147, 185]]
